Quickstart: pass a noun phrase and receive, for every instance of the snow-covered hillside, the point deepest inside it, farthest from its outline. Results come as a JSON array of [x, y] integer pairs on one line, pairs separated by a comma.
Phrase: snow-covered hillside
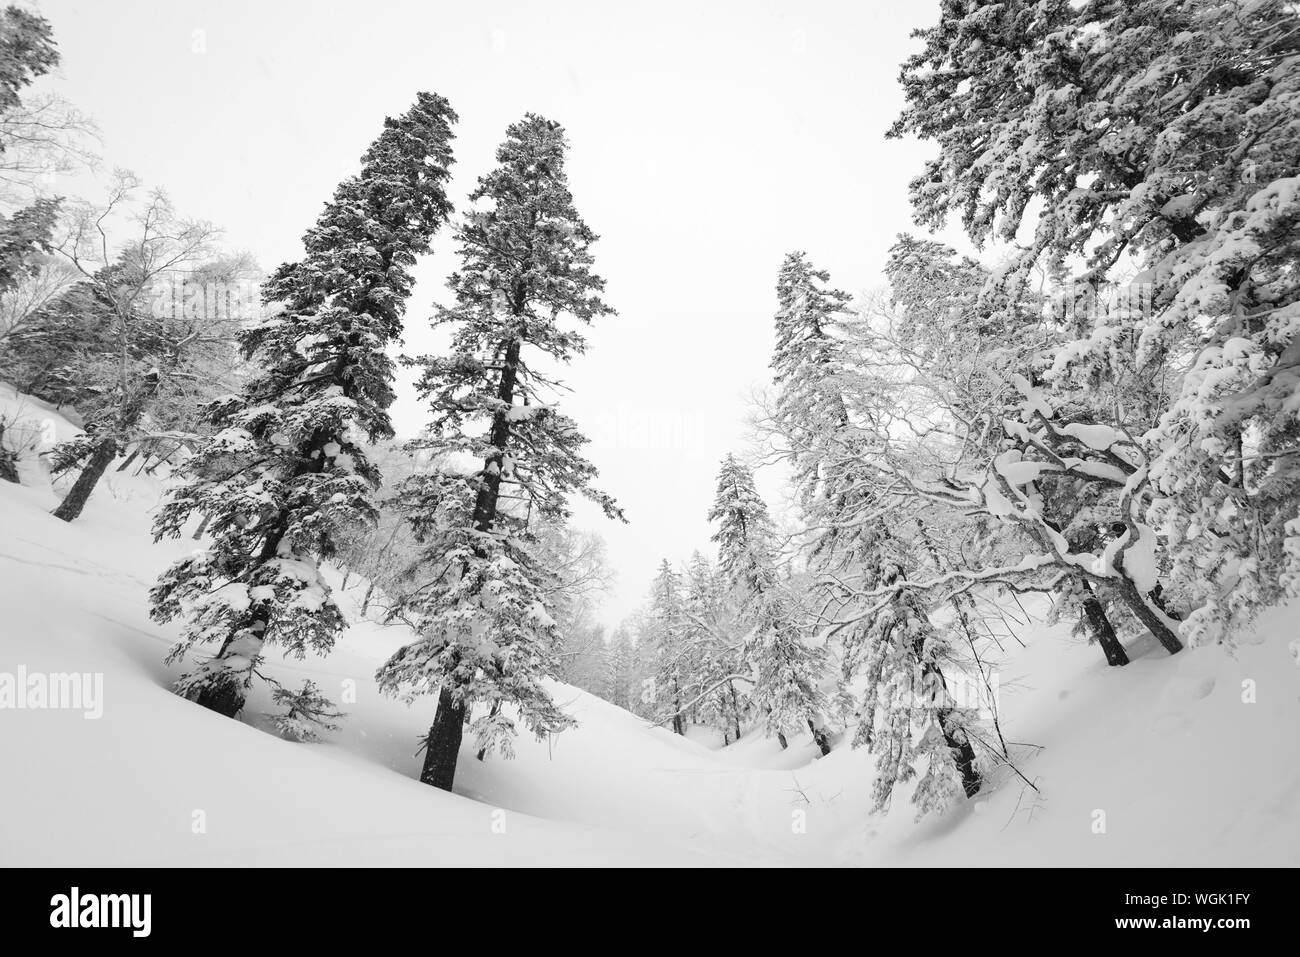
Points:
[[1192, 759]]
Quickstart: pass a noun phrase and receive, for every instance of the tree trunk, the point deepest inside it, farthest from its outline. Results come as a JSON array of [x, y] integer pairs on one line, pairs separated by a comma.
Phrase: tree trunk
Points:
[[8, 460], [957, 740], [130, 458], [225, 699], [442, 746], [780, 737], [1100, 628], [150, 468], [1154, 623], [679, 720], [365, 602], [72, 504], [203, 527], [819, 736], [964, 756], [735, 709], [443, 743]]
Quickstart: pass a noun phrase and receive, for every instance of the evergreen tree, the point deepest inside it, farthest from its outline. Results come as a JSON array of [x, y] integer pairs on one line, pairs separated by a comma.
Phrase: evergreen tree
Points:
[[909, 718], [620, 669], [51, 354], [811, 416], [717, 660], [813, 372], [672, 646], [486, 633], [806, 366], [286, 470], [744, 534], [811, 422], [27, 51], [787, 671], [834, 459], [24, 237]]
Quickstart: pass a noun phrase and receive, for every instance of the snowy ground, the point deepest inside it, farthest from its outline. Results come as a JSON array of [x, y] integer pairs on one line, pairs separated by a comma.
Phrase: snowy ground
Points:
[[1185, 771]]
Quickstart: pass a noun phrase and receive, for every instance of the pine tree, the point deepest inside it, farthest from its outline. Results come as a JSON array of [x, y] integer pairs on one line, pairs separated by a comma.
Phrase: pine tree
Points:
[[806, 368], [788, 672], [909, 718], [744, 536], [486, 634], [672, 647], [24, 237], [717, 658], [286, 470], [832, 420], [620, 669], [812, 425], [27, 51]]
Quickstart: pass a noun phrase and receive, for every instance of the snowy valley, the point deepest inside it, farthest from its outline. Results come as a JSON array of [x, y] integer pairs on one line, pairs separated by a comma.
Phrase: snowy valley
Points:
[[852, 436], [1155, 745]]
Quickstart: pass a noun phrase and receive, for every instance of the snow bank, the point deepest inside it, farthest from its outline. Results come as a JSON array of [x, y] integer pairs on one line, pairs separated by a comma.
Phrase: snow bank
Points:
[[1184, 760]]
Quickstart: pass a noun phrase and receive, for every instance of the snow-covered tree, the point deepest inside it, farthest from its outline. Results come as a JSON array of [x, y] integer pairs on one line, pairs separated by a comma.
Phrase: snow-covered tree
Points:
[[29, 50], [835, 418], [306, 712], [24, 237], [37, 135], [505, 456], [40, 134], [807, 362], [788, 671], [718, 681], [620, 681], [26, 233], [673, 651], [908, 717], [964, 349], [578, 560], [286, 468], [1147, 146], [139, 353]]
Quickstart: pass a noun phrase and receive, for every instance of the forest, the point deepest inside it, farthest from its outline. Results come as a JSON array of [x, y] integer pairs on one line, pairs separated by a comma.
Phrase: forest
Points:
[[1082, 412]]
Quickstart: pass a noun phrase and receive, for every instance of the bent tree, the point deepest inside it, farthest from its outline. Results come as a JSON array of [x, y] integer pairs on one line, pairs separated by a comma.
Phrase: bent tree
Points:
[[286, 471], [1146, 148], [504, 459]]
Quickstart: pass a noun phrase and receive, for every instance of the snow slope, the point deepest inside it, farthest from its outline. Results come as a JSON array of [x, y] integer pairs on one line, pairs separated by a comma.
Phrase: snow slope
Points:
[[1184, 770]]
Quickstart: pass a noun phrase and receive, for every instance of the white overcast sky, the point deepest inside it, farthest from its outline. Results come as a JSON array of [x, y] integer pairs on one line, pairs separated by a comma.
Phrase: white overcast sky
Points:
[[708, 139]]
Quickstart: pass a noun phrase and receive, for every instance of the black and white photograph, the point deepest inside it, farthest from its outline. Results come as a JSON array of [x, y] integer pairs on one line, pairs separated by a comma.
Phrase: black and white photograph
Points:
[[714, 434]]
